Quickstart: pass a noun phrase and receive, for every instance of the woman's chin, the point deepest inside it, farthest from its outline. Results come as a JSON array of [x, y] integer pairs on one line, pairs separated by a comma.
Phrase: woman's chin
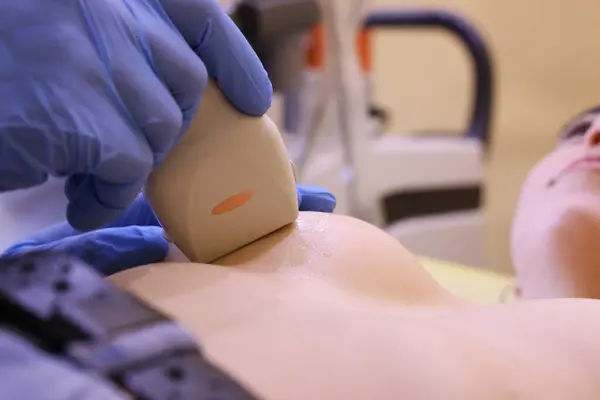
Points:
[[555, 248]]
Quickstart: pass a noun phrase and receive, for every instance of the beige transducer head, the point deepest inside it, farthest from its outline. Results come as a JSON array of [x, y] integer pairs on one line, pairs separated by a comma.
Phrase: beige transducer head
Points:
[[227, 182]]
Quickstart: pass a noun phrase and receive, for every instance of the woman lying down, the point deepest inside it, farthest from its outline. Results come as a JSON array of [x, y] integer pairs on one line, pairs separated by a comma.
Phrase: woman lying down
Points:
[[555, 248], [334, 308]]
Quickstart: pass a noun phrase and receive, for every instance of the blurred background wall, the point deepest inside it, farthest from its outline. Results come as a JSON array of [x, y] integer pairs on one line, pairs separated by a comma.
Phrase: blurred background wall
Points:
[[545, 53]]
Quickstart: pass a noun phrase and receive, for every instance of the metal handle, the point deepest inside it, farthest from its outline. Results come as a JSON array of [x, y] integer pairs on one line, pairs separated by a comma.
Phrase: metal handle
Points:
[[483, 96]]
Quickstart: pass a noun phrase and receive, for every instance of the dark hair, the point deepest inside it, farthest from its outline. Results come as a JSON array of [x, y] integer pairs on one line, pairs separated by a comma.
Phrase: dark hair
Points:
[[579, 124]]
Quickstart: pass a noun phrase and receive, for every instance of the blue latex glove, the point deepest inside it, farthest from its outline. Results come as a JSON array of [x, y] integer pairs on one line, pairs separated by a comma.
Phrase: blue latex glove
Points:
[[136, 238], [99, 91]]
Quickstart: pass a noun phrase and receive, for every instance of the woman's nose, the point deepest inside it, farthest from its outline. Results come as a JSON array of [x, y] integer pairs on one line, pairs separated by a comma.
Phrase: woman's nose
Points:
[[592, 136]]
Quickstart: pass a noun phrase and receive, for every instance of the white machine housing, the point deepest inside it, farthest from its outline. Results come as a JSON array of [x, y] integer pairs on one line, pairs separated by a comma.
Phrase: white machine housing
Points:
[[400, 163]]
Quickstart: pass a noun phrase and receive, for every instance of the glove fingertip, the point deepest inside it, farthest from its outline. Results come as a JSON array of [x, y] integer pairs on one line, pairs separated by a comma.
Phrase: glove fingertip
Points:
[[258, 104]]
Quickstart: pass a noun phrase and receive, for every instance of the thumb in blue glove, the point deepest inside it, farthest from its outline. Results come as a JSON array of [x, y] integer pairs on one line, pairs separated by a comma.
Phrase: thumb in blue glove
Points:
[[136, 238]]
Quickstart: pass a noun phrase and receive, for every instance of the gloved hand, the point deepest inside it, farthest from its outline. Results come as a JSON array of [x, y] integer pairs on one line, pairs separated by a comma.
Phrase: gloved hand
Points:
[[136, 238], [99, 91]]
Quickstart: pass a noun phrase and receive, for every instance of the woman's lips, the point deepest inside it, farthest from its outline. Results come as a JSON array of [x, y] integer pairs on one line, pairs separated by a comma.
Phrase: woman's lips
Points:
[[586, 163], [589, 163]]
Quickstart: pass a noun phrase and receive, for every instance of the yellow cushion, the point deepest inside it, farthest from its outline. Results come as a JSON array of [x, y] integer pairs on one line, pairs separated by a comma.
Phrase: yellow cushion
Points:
[[475, 285]]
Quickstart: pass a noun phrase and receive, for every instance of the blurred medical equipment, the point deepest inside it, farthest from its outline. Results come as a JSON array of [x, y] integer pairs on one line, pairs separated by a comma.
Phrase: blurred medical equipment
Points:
[[425, 190], [227, 182], [439, 211], [258, 18], [277, 30]]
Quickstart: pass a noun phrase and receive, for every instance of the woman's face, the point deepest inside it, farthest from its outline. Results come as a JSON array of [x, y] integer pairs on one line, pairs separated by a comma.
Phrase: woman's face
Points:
[[555, 239]]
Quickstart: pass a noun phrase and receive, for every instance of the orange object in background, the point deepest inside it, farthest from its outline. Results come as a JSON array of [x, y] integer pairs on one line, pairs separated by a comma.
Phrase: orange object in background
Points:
[[316, 50], [315, 56], [365, 49]]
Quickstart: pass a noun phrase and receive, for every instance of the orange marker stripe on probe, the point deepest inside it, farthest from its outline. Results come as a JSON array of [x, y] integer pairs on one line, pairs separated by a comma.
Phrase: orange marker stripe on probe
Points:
[[232, 202]]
